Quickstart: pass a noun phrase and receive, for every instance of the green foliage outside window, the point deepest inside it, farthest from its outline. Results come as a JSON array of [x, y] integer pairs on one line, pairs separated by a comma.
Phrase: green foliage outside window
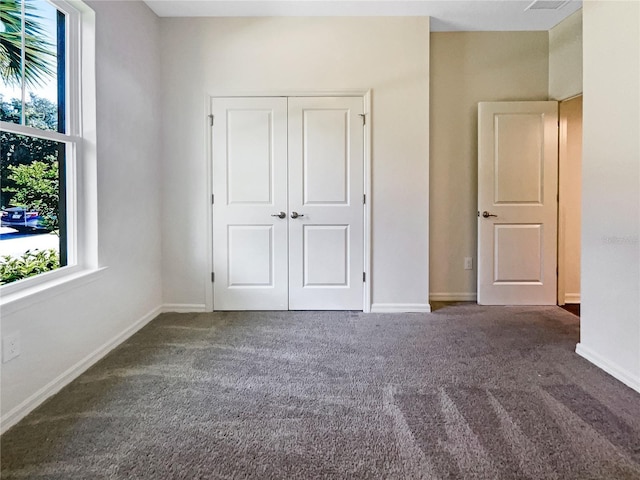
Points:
[[28, 265], [28, 165], [29, 172]]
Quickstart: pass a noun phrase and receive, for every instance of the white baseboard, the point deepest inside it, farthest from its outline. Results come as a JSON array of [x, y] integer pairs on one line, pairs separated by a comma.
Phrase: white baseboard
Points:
[[453, 297], [571, 298], [19, 412], [400, 308], [183, 308], [626, 377]]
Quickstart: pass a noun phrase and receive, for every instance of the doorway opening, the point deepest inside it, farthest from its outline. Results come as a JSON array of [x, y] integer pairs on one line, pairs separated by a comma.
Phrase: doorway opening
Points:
[[569, 202]]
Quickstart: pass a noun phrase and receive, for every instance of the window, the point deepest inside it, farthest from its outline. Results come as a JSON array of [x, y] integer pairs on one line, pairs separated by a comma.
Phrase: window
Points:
[[42, 171]]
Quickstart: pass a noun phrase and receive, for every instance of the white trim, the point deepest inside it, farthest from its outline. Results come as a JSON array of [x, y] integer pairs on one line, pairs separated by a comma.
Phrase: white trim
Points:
[[32, 294], [288, 93], [39, 133], [184, 308], [562, 246], [208, 284], [13, 289], [366, 96], [453, 297], [571, 298], [366, 308], [87, 169], [81, 159], [23, 409], [400, 308], [626, 377]]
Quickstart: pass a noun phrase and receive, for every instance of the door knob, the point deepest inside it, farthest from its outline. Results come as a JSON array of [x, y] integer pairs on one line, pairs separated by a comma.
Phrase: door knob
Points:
[[296, 214], [486, 214], [279, 215]]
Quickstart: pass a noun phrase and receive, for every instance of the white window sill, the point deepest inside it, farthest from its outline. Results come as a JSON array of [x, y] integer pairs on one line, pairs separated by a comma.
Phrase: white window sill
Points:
[[29, 296]]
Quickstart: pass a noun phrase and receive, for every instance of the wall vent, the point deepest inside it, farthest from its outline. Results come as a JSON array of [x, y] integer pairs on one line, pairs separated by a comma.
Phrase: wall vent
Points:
[[547, 4]]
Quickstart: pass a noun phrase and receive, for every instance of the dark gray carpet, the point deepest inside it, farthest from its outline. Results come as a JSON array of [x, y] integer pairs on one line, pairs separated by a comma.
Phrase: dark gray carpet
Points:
[[463, 393]]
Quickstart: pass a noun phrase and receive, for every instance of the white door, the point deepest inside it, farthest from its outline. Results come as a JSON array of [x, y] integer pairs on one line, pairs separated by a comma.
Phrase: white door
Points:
[[250, 186], [288, 214], [517, 203], [326, 187]]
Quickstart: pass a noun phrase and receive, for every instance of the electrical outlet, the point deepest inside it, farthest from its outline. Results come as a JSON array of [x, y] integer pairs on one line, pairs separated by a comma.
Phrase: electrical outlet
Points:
[[10, 346], [468, 263]]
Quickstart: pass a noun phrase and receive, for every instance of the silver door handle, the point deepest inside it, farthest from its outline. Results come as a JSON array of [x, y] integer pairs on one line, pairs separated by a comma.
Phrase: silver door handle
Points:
[[279, 215], [296, 214], [486, 214]]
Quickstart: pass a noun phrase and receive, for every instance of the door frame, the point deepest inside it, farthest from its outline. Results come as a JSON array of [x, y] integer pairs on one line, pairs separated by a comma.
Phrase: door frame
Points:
[[562, 203], [208, 149]]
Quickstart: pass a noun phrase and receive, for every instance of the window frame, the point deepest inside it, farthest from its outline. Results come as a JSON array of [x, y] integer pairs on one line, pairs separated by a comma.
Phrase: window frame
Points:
[[80, 155]]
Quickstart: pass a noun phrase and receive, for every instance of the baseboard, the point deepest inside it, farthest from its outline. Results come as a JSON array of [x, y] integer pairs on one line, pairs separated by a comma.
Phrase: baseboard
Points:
[[571, 298], [400, 308], [626, 377], [19, 412], [184, 308], [453, 297]]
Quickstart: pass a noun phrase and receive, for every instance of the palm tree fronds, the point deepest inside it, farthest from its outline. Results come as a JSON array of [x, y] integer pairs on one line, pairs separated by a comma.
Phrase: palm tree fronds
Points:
[[39, 54]]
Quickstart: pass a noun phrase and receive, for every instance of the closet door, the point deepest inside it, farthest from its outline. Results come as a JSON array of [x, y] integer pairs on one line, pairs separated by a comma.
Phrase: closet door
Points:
[[250, 187], [326, 211]]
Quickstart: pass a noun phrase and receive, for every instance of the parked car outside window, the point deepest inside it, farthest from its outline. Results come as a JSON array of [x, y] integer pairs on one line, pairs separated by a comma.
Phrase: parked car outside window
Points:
[[24, 220]]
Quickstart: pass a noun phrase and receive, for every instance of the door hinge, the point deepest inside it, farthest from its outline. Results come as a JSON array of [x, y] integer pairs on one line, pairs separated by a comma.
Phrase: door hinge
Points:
[[364, 118], [212, 199], [364, 276], [213, 277], [211, 120], [364, 199]]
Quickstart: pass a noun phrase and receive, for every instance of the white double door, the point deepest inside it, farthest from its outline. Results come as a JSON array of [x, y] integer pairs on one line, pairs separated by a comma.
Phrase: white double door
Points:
[[288, 214]]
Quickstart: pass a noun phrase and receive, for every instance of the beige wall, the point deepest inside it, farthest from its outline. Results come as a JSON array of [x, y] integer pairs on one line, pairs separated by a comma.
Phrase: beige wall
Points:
[[285, 55], [565, 58], [610, 316], [466, 68]]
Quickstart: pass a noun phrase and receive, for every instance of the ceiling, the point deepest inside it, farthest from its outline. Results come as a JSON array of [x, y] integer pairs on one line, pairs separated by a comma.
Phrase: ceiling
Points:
[[446, 15]]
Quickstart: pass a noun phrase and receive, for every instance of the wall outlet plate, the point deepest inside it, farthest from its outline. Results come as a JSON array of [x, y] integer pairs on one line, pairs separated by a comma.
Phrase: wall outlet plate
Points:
[[10, 346], [468, 263]]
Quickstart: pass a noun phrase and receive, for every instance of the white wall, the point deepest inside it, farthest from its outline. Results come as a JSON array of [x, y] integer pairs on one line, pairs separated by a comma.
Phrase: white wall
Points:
[[57, 334], [565, 58], [223, 56], [467, 68], [610, 316]]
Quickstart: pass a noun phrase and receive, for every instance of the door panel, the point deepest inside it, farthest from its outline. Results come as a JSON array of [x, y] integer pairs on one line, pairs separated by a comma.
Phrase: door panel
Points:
[[518, 254], [518, 158], [326, 255], [517, 187], [326, 172], [250, 185], [325, 156], [251, 252], [249, 157]]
